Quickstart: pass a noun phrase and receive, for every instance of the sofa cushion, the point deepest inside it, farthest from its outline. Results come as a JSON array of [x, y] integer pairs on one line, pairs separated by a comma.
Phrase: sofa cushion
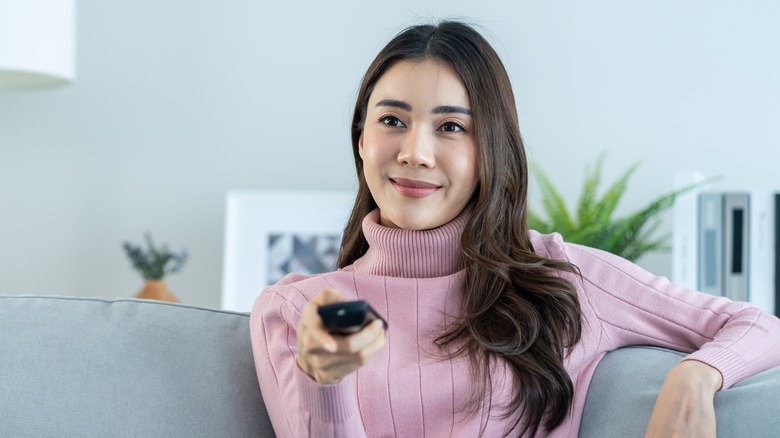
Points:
[[626, 382], [93, 367]]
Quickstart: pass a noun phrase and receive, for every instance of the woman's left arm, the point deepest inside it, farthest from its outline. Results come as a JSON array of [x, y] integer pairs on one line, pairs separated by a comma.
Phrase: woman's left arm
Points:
[[727, 341], [635, 307]]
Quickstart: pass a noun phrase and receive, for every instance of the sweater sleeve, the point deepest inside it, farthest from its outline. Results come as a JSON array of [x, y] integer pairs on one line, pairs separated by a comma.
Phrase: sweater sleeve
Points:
[[296, 404], [635, 307]]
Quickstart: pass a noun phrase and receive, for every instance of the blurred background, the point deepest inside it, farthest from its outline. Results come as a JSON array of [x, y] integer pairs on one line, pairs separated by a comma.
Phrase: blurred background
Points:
[[177, 102]]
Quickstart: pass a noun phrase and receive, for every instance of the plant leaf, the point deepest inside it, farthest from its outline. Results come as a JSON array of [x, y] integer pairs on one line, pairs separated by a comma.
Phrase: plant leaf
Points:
[[630, 236], [554, 206], [612, 196], [587, 201]]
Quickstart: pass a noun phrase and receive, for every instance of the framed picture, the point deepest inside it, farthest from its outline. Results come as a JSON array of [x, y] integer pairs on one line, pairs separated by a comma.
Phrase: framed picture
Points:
[[269, 234]]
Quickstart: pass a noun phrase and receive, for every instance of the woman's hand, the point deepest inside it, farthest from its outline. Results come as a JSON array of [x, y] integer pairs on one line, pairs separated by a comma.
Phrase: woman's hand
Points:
[[328, 358], [684, 406]]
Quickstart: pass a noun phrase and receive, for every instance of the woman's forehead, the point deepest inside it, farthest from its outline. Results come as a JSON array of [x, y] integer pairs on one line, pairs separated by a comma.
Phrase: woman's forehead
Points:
[[428, 82]]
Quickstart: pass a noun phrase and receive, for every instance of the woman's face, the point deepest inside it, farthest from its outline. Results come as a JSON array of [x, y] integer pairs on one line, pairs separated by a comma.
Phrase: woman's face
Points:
[[418, 145]]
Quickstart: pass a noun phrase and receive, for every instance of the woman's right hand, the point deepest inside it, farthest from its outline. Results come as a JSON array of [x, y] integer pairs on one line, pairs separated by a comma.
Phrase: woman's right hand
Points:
[[328, 358]]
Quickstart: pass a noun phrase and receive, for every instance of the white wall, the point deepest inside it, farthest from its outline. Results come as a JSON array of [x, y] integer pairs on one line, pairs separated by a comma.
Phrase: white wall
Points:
[[177, 102]]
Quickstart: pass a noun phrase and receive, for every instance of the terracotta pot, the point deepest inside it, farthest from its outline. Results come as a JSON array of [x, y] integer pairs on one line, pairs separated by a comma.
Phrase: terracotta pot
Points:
[[156, 290]]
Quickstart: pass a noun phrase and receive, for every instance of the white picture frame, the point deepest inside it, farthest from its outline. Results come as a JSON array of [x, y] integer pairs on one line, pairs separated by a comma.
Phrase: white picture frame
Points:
[[265, 233]]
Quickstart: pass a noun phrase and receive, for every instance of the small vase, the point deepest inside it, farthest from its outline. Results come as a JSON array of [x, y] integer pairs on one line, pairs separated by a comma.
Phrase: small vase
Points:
[[156, 290]]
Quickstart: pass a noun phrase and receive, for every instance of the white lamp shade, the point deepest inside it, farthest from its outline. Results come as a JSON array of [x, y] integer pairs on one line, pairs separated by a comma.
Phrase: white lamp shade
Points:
[[36, 42]]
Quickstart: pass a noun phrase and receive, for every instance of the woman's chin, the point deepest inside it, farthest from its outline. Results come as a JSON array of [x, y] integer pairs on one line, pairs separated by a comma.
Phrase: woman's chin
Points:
[[414, 222]]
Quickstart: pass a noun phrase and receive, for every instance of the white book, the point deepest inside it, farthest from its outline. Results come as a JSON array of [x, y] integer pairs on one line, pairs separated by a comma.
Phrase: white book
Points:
[[776, 270], [761, 282], [736, 259], [685, 231], [710, 256]]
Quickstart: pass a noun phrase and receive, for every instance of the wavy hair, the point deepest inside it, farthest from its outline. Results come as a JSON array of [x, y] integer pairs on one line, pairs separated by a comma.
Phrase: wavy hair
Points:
[[516, 307]]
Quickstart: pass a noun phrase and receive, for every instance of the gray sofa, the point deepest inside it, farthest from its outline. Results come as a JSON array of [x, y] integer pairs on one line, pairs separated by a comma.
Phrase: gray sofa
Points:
[[85, 367]]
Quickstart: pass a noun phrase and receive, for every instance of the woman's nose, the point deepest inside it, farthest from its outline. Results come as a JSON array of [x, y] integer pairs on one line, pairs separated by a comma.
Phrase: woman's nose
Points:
[[417, 150]]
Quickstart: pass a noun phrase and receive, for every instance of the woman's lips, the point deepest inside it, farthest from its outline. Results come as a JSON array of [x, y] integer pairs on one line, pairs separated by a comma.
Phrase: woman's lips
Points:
[[413, 188]]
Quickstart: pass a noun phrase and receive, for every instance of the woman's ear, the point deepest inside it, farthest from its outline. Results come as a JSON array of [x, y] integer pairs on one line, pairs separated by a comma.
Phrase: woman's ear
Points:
[[360, 145]]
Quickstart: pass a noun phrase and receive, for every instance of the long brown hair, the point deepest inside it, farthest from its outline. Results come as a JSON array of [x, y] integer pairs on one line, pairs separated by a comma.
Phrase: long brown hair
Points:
[[515, 305]]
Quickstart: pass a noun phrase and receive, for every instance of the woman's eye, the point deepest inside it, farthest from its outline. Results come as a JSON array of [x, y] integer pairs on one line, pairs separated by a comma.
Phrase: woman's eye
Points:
[[451, 127], [391, 121]]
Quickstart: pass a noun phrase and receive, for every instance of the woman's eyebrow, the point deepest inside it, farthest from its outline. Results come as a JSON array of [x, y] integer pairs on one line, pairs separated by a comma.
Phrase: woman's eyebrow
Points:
[[441, 109], [395, 103], [446, 109]]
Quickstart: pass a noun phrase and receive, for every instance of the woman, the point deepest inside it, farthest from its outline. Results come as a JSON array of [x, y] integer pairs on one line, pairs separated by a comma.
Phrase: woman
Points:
[[494, 330]]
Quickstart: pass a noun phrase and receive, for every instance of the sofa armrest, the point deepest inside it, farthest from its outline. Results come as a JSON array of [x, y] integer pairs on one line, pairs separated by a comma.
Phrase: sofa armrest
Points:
[[626, 382]]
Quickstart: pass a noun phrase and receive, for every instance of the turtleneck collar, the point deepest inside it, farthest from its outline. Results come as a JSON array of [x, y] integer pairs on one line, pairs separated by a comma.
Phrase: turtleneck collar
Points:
[[403, 253]]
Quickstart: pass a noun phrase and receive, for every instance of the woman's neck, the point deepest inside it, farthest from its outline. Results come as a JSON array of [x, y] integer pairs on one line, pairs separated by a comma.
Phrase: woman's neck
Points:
[[397, 252]]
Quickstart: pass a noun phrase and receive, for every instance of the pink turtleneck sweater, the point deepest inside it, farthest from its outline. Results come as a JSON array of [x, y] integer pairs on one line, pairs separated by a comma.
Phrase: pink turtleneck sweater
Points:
[[415, 279]]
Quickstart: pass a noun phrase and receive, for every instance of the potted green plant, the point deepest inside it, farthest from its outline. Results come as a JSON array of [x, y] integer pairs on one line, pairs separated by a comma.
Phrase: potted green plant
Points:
[[154, 263], [593, 222]]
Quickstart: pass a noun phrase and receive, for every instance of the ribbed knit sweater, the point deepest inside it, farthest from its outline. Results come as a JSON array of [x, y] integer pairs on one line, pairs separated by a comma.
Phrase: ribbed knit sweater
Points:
[[415, 280]]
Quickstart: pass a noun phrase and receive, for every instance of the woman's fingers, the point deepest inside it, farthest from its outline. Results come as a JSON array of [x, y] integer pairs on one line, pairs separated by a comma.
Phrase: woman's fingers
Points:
[[310, 325], [360, 340], [327, 358], [332, 367]]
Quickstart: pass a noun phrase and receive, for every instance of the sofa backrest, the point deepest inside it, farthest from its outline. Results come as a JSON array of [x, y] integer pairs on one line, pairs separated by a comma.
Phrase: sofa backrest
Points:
[[92, 367]]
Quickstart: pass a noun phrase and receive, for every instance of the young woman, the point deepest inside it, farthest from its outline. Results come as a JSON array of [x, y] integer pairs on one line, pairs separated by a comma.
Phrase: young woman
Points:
[[494, 330]]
